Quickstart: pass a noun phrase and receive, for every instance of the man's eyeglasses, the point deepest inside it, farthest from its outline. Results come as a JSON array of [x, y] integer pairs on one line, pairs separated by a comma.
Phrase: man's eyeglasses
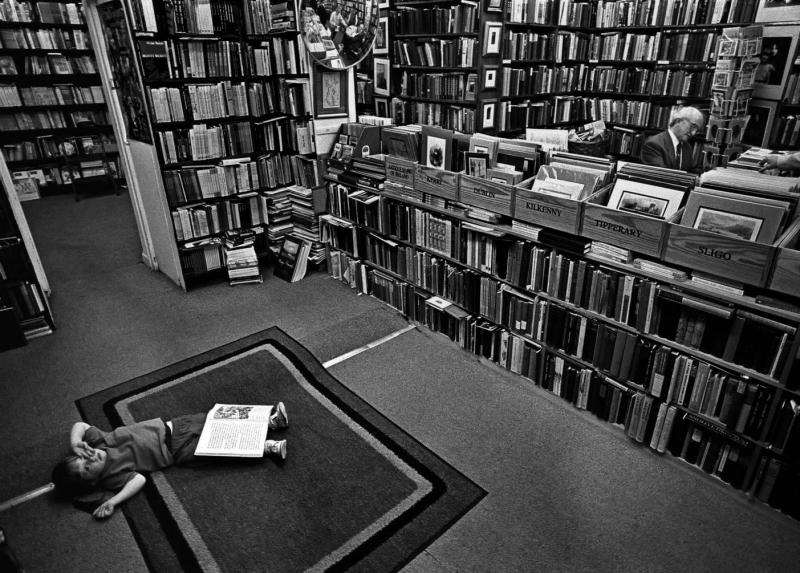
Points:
[[693, 127]]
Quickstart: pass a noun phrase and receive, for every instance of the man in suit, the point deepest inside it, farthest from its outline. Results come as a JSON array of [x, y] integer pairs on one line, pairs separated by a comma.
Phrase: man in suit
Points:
[[670, 148]]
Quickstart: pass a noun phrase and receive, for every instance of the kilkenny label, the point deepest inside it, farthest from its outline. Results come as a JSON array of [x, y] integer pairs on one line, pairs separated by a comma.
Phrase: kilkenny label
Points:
[[545, 209]]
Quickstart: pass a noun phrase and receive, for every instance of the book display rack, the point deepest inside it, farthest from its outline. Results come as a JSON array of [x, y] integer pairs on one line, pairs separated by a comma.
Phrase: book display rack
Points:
[[228, 107], [24, 310], [51, 104], [690, 371]]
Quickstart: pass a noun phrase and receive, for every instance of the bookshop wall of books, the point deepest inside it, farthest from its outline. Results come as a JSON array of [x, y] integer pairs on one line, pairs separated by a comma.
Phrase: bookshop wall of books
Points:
[[596, 197]]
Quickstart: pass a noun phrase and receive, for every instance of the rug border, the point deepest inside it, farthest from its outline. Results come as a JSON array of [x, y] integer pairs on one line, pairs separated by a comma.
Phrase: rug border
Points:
[[429, 464]]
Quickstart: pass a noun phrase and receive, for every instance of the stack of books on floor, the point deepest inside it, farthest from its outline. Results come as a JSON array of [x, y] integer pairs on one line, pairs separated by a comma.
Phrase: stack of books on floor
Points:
[[305, 205], [241, 259]]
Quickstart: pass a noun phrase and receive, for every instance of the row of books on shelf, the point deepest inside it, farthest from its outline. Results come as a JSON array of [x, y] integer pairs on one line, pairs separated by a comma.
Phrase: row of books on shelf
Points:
[[786, 132], [202, 142], [449, 116], [206, 17], [461, 18], [613, 14], [446, 53], [654, 13], [226, 99], [544, 79], [450, 86], [234, 177], [50, 147], [735, 336], [44, 39], [58, 64], [24, 297], [47, 175], [51, 119], [65, 94], [198, 221], [189, 58], [792, 92], [46, 12]]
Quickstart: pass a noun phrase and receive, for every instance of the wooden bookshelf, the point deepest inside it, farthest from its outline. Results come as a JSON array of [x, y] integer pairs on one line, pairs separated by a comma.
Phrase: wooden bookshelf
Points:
[[51, 88], [532, 305]]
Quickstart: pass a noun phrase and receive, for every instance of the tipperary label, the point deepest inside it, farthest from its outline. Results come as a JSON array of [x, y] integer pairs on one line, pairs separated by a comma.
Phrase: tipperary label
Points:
[[619, 228], [542, 209]]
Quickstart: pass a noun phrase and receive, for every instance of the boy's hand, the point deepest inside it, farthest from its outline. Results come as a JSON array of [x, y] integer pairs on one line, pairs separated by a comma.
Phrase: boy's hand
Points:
[[83, 450], [104, 510]]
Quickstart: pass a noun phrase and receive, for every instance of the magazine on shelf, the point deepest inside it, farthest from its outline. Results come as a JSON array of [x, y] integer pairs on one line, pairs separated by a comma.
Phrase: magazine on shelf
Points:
[[292, 259], [234, 430]]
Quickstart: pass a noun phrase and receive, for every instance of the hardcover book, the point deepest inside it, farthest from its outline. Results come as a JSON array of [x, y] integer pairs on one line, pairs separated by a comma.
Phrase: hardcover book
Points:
[[233, 430]]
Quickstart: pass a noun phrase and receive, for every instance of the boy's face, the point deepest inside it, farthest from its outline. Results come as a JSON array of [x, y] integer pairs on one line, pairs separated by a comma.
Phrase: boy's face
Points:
[[90, 467]]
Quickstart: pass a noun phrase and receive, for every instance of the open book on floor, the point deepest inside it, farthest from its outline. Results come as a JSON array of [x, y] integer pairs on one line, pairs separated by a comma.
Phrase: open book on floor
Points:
[[234, 430], [292, 259]]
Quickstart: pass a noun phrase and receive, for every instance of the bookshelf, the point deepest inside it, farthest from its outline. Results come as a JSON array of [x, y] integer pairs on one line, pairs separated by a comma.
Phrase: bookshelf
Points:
[[24, 309], [704, 376], [221, 127], [52, 103]]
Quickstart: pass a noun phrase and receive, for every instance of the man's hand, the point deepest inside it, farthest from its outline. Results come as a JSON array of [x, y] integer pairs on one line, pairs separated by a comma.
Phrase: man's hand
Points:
[[104, 510], [769, 162]]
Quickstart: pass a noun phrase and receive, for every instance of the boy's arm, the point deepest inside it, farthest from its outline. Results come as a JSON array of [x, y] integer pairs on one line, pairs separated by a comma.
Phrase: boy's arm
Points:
[[76, 443], [134, 485]]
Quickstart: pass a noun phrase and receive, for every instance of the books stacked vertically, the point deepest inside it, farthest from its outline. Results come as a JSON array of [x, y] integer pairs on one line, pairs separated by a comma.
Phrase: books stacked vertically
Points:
[[240, 258], [279, 211], [306, 204], [292, 259]]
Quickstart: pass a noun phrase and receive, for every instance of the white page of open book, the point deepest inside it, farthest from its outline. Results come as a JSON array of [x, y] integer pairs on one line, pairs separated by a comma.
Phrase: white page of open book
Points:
[[234, 430]]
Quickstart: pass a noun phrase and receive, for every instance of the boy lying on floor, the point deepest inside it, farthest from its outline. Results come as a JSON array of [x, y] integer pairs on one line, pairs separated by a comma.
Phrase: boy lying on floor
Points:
[[112, 460]]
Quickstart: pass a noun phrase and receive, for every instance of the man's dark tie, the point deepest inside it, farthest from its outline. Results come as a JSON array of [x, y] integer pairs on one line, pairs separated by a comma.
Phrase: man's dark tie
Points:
[[678, 155]]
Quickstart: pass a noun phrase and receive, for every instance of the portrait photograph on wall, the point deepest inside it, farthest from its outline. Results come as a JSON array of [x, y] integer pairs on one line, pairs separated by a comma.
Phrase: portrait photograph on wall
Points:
[[778, 50], [759, 126]]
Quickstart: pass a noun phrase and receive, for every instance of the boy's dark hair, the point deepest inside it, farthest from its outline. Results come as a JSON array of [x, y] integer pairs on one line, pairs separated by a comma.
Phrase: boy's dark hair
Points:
[[67, 481]]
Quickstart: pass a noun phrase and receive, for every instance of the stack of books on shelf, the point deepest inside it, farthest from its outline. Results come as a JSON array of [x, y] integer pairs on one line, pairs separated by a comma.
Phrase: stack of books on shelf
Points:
[[241, 259]]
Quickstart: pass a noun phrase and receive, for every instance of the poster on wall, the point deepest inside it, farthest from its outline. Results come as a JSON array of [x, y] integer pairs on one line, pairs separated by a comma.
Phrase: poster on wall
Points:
[[124, 72]]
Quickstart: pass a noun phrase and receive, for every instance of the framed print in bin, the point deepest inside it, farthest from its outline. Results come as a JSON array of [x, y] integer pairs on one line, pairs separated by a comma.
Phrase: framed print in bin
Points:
[[725, 214], [778, 50], [490, 74], [492, 38], [759, 126], [382, 36], [330, 92], [437, 147], [488, 114], [644, 199], [778, 10], [382, 107], [381, 76]]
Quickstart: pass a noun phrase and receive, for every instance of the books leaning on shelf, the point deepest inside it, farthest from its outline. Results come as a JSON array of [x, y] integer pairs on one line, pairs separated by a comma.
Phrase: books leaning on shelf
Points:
[[292, 259], [233, 430], [660, 270]]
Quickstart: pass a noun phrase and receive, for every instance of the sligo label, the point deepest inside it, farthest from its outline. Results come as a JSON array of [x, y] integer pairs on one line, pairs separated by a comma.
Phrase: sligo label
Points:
[[716, 253]]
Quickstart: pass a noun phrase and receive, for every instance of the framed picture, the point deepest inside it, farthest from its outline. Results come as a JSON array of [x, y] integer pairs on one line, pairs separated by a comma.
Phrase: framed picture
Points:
[[383, 4], [644, 199], [725, 214], [471, 87], [490, 77], [331, 94], [381, 76], [488, 115], [479, 144], [476, 164], [778, 50], [382, 36], [494, 5], [437, 147], [759, 126], [492, 38], [777, 10], [381, 107]]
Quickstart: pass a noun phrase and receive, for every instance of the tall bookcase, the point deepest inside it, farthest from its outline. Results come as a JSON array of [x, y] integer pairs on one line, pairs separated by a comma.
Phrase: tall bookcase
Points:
[[54, 119], [24, 309], [707, 377], [218, 101]]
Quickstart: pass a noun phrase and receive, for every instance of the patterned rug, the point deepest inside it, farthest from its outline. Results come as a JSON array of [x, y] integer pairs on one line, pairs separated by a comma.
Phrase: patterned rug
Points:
[[356, 492]]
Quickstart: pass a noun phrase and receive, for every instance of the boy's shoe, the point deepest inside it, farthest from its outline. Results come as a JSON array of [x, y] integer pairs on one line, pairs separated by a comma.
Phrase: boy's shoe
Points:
[[275, 448], [279, 418]]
